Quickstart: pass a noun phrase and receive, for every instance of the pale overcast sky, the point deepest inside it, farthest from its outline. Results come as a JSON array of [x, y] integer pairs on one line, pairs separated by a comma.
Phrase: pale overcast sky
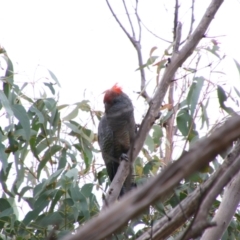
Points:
[[82, 44]]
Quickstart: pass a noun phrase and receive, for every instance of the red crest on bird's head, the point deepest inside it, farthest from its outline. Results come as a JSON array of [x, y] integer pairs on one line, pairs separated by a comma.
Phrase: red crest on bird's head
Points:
[[111, 93]]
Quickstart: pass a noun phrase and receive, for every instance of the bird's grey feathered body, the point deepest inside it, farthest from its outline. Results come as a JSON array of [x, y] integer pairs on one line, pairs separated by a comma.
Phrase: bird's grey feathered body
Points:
[[116, 131]]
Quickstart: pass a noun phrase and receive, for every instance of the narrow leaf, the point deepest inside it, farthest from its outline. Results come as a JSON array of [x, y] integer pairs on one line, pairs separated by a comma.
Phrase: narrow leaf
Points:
[[5, 103], [184, 121], [47, 157], [221, 95], [3, 157], [21, 114], [237, 65], [53, 76], [194, 93], [71, 115], [50, 86]]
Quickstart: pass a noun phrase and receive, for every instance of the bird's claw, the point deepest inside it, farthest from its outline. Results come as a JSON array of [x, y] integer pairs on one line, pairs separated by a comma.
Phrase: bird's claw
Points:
[[124, 157]]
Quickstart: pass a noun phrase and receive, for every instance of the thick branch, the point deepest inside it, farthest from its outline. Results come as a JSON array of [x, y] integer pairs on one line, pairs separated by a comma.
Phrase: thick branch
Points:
[[218, 187], [157, 188], [221, 182], [226, 209], [189, 205]]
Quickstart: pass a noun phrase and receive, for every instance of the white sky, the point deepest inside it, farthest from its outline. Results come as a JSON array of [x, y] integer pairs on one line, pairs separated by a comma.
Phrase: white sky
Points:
[[82, 44]]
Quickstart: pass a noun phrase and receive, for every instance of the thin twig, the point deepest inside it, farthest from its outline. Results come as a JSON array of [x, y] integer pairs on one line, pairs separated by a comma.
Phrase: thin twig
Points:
[[129, 19], [137, 45], [154, 34], [192, 18], [139, 22], [175, 22], [121, 26]]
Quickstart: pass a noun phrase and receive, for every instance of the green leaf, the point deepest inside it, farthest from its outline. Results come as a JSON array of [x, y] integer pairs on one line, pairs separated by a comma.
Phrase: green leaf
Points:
[[152, 166], [31, 215], [194, 93], [222, 98], [50, 219], [214, 50], [71, 115], [88, 156], [193, 136], [80, 201], [56, 198], [5, 103], [44, 144], [84, 106], [38, 113], [221, 95], [3, 157], [78, 129], [204, 115], [238, 93], [150, 143], [55, 119], [157, 134], [21, 114], [24, 190], [237, 65], [63, 159], [4, 205], [50, 103], [149, 62], [53, 178], [62, 106], [72, 173], [66, 182], [54, 77], [184, 121], [87, 189], [225, 235], [47, 157], [50, 86], [6, 213]]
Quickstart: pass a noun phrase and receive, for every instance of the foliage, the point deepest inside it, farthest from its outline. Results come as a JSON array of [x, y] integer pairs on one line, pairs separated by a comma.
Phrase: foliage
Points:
[[42, 168]]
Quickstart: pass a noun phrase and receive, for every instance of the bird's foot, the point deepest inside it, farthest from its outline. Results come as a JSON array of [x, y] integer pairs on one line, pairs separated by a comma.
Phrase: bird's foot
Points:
[[124, 157]]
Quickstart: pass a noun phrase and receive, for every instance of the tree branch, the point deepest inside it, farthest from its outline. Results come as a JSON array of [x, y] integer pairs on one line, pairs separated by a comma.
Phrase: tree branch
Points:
[[157, 188], [136, 43], [156, 102], [188, 206], [192, 18], [175, 22], [210, 197], [129, 19], [170, 122], [226, 209]]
